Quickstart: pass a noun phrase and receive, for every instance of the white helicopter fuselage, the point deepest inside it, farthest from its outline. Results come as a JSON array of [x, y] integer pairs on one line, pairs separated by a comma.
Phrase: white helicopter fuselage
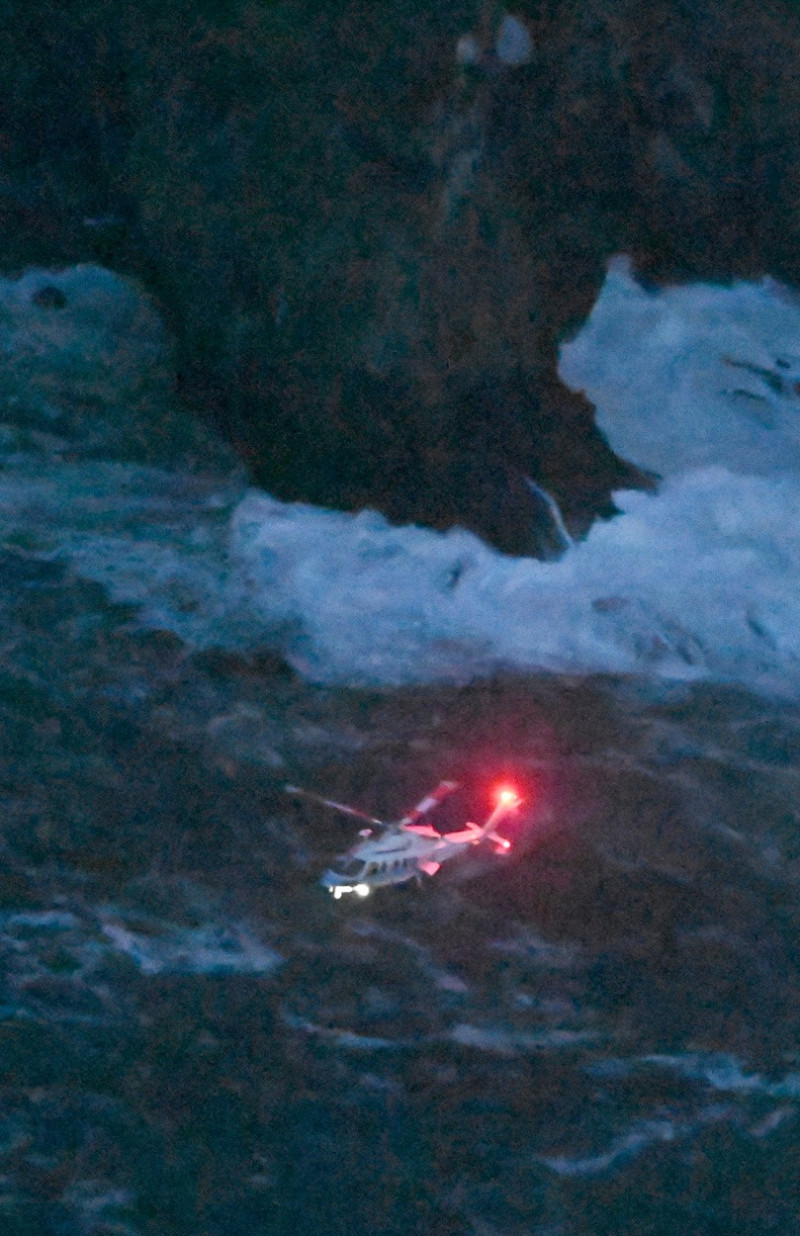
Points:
[[406, 852]]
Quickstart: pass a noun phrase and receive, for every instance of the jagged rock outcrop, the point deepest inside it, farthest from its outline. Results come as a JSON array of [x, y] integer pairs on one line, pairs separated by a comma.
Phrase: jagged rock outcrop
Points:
[[370, 225]]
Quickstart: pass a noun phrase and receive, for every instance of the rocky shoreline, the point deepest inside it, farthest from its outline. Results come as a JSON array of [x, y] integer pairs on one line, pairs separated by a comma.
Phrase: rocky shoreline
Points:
[[369, 230]]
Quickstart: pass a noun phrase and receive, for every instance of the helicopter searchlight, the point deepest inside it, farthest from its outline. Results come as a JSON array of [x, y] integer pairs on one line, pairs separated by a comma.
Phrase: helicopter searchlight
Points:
[[407, 849]]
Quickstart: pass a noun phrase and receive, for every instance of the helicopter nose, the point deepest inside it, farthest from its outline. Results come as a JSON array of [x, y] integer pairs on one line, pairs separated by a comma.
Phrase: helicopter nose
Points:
[[339, 885], [332, 884]]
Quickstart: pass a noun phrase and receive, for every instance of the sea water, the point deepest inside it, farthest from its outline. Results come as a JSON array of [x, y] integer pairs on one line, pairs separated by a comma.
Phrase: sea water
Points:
[[595, 1034]]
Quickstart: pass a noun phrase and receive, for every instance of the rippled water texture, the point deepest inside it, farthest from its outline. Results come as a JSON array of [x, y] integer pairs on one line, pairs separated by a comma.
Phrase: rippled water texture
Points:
[[595, 1035]]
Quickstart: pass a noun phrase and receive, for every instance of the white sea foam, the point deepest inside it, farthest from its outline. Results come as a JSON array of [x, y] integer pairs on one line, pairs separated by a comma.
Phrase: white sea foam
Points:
[[725, 1073], [693, 376], [719, 1070], [696, 580], [444, 979], [40, 920], [541, 952], [342, 1037], [504, 1042], [626, 1147], [209, 949], [640, 1136]]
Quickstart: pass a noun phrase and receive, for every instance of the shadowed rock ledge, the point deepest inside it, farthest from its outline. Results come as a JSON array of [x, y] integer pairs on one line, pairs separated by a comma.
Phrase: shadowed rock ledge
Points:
[[370, 226]]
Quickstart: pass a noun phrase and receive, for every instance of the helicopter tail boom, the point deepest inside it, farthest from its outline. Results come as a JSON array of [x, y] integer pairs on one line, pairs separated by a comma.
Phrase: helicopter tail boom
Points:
[[507, 801], [443, 789]]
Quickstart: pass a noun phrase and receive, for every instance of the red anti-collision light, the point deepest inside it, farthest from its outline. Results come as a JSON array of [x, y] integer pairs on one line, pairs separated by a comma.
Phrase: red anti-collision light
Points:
[[507, 796]]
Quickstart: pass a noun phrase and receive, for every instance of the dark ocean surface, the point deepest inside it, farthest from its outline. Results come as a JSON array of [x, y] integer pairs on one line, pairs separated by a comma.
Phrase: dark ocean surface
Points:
[[597, 1034]]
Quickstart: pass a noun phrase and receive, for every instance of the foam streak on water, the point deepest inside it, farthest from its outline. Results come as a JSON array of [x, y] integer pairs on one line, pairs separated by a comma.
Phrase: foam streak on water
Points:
[[695, 580], [595, 1033]]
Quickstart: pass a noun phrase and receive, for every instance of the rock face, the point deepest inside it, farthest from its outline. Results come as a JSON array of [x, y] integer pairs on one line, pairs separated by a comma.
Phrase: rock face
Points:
[[371, 225]]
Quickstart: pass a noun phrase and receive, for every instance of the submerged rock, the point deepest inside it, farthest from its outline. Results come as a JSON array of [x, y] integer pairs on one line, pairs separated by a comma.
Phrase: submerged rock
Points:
[[88, 373]]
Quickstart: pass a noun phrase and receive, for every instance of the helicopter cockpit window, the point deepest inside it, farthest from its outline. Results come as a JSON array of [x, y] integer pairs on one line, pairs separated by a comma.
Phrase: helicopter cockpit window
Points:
[[350, 867]]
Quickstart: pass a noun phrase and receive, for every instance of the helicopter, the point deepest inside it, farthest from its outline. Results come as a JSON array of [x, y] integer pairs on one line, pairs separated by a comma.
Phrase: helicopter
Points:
[[406, 849]]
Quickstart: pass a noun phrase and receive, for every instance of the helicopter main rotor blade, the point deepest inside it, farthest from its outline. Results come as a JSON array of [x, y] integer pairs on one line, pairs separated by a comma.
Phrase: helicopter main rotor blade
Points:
[[330, 802], [430, 801]]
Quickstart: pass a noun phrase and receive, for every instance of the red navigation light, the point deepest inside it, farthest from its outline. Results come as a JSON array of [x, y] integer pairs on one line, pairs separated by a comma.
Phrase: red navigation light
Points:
[[506, 796]]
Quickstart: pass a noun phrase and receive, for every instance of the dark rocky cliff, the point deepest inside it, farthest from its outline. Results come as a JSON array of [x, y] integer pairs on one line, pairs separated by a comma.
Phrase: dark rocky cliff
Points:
[[369, 225]]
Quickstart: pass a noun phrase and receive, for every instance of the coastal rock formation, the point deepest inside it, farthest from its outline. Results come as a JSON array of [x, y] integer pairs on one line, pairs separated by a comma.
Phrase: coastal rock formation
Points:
[[371, 227]]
